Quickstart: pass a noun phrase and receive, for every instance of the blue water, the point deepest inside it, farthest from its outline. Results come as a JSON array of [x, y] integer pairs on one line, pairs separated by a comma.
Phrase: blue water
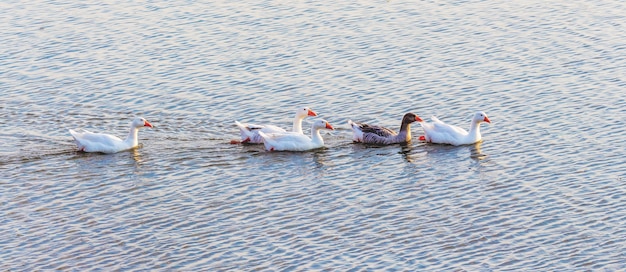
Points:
[[544, 191]]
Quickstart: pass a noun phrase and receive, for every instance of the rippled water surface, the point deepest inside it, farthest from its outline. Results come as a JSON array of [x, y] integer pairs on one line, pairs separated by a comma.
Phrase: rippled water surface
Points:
[[544, 191]]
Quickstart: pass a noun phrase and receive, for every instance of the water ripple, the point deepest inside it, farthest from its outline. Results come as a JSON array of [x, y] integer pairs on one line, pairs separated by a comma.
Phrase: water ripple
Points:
[[542, 192]]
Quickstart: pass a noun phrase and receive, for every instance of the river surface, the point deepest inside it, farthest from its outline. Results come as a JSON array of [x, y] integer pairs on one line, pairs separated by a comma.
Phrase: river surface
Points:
[[544, 191]]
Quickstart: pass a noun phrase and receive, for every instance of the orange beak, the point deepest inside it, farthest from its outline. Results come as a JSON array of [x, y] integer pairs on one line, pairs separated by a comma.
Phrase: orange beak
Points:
[[418, 119], [328, 126], [487, 120], [146, 124], [312, 113]]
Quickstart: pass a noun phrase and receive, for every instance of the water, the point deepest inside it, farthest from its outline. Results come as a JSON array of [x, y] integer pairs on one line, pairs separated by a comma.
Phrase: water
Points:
[[543, 192]]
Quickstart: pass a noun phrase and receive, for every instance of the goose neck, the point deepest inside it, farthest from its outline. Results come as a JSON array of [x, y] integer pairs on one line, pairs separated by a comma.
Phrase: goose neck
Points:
[[316, 136], [297, 124], [132, 138], [405, 131], [474, 128]]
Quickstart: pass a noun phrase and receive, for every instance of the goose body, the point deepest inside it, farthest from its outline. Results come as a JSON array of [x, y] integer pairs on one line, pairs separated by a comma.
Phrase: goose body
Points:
[[364, 133], [87, 141], [439, 132], [290, 141], [250, 132]]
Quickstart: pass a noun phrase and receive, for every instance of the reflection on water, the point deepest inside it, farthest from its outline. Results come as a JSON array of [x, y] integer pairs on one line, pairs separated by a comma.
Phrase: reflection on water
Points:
[[135, 154], [320, 158], [475, 152], [406, 149]]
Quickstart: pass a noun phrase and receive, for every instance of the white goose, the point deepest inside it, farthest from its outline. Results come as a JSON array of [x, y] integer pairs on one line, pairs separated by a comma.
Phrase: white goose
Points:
[[369, 134], [105, 143], [289, 141], [441, 133], [250, 132]]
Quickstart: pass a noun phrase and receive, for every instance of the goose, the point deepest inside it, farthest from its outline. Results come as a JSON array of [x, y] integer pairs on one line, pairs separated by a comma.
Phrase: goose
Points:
[[105, 143], [290, 141], [250, 132], [439, 132], [369, 134]]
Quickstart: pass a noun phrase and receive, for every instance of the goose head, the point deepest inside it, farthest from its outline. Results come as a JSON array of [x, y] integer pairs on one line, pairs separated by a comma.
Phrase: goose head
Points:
[[303, 112], [141, 122], [410, 118], [322, 124], [480, 117]]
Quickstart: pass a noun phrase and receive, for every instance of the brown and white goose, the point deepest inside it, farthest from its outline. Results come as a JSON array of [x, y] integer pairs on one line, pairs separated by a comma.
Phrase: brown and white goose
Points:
[[369, 134]]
